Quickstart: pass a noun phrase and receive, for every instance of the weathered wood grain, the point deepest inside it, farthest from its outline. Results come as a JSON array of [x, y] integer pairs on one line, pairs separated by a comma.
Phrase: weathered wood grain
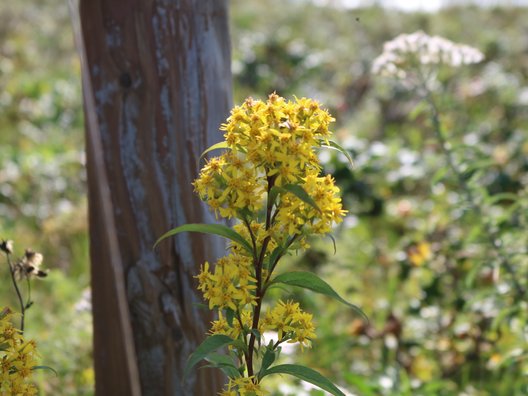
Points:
[[160, 77]]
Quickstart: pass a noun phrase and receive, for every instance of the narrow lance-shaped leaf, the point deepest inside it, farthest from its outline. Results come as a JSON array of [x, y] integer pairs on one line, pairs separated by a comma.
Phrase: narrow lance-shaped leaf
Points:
[[333, 242], [335, 146], [230, 316], [277, 252], [211, 344], [502, 197], [45, 368], [214, 229], [272, 195], [267, 360], [217, 146], [312, 282], [306, 374], [224, 363]]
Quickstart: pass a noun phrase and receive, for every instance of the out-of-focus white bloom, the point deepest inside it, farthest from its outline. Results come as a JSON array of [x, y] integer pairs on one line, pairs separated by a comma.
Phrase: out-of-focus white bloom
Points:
[[85, 302], [407, 51]]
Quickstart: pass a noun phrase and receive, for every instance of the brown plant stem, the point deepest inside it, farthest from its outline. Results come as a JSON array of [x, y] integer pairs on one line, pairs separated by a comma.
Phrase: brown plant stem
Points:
[[258, 274], [19, 295]]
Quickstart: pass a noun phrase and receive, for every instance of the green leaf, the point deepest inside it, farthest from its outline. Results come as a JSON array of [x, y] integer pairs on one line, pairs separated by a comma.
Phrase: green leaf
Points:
[[299, 192], [420, 108], [245, 214], [404, 382], [439, 175], [434, 387], [224, 363], [272, 195], [240, 345], [221, 145], [257, 335], [502, 316], [215, 229], [511, 197], [333, 241], [211, 344], [277, 252], [226, 369], [334, 146], [471, 276], [306, 374], [312, 282], [45, 368], [267, 360], [230, 315]]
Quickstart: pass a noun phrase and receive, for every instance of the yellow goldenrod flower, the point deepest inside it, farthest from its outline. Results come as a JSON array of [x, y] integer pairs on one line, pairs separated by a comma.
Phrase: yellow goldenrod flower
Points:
[[243, 386], [263, 179], [419, 254], [291, 323], [17, 359]]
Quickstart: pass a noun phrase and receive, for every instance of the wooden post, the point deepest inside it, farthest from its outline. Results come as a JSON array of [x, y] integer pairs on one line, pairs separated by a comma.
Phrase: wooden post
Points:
[[157, 86]]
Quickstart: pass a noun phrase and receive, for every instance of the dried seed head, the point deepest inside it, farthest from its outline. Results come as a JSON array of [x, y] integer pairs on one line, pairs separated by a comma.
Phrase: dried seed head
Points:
[[6, 246], [29, 265]]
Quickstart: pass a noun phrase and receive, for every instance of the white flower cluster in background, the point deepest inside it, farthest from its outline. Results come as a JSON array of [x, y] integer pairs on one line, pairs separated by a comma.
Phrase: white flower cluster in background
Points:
[[408, 51]]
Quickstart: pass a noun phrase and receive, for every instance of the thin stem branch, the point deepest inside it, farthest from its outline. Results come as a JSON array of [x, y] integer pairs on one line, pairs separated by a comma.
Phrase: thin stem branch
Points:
[[28, 300], [278, 343], [19, 295]]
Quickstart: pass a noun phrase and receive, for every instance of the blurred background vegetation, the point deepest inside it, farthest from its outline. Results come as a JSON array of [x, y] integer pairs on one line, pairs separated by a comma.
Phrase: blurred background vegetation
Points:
[[445, 316]]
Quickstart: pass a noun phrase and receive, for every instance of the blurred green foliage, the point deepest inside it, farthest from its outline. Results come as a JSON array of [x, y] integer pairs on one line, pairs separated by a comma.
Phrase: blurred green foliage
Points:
[[445, 319], [42, 185]]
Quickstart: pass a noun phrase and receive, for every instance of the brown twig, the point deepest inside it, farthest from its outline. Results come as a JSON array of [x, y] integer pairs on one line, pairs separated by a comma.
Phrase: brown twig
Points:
[[19, 294]]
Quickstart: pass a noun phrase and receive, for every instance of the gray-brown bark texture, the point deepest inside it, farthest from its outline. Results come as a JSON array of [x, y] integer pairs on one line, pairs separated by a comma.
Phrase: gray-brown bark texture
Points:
[[159, 75]]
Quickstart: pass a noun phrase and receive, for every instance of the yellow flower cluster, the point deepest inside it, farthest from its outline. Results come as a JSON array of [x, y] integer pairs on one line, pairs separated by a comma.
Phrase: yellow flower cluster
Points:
[[258, 231], [231, 284], [243, 386], [269, 179], [221, 326], [291, 323], [272, 144], [278, 136], [17, 360], [295, 216], [229, 184]]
